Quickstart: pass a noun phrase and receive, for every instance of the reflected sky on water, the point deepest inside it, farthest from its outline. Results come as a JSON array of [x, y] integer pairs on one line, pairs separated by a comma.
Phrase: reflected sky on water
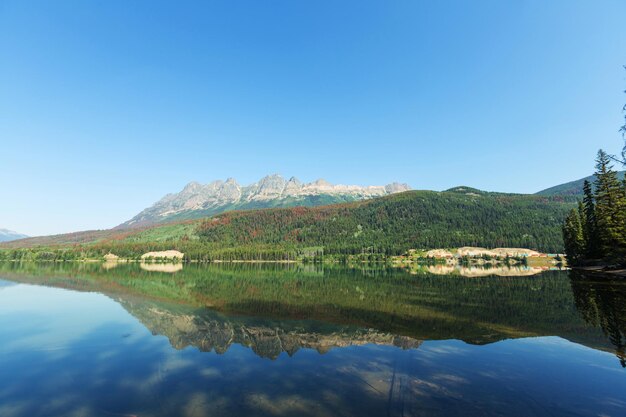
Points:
[[95, 343]]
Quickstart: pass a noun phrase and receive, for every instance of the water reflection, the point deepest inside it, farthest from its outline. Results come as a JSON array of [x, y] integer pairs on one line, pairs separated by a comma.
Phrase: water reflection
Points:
[[378, 303], [209, 331], [161, 267], [306, 341], [601, 301], [482, 271]]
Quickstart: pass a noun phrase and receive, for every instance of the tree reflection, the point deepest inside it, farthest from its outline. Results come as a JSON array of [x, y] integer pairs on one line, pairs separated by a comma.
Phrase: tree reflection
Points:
[[602, 303]]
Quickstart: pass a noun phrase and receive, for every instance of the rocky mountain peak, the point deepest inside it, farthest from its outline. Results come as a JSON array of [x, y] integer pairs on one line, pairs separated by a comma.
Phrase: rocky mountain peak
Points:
[[293, 186], [192, 187], [199, 200], [274, 180]]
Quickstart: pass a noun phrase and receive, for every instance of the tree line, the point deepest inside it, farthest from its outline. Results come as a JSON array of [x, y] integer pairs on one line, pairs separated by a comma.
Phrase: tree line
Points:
[[595, 231]]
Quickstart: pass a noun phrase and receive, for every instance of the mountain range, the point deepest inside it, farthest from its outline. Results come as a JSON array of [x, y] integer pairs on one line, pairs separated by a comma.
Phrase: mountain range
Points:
[[392, 216], [389, 225], [197, 200], [9, 235]]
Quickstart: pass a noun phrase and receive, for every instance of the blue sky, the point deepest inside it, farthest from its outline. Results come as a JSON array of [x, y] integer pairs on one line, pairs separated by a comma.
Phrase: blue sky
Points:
[[107, 106]]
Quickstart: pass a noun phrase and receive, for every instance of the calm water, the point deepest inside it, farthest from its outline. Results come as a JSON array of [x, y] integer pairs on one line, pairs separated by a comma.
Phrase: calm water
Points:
[[92, 340]]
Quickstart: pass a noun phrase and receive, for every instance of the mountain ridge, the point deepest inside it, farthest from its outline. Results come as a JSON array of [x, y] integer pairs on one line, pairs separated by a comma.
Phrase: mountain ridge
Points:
[[392, 224], [197, 200], [7, 235], [120, 232], [572, 188]]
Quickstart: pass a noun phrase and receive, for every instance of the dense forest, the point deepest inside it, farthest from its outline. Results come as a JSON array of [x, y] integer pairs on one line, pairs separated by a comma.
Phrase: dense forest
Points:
[[595, 231], [374, 228]]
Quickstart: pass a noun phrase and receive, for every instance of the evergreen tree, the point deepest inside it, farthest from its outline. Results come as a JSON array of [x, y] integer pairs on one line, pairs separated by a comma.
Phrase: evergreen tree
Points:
[[581, 217], [590, 227], [573, 238], [610, 210]]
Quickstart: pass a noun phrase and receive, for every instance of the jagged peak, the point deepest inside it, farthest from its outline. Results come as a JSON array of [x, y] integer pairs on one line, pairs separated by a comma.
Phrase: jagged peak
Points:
[[270, 191], [192, 185], [270, 178]]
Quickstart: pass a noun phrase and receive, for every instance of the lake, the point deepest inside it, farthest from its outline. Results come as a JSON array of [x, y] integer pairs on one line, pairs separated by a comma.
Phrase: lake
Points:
[[306, 340]]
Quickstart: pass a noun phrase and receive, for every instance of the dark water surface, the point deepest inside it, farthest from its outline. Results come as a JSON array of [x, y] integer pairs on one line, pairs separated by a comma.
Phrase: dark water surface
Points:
[[276, 340]]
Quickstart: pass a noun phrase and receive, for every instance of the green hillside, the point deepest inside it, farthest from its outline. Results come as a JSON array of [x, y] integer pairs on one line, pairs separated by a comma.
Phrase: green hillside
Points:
[[573, 188], [388, 225], [306, 201]]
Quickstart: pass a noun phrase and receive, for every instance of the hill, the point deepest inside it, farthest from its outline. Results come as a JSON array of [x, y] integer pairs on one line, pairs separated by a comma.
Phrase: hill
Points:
[[388, 225], [572, 188], [8, 235], [202, 200]]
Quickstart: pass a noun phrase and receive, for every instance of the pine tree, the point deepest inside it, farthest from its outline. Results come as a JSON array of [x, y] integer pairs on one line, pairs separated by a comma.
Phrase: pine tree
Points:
[[610, 210], [573, 238], [582, 216], [590, 226]]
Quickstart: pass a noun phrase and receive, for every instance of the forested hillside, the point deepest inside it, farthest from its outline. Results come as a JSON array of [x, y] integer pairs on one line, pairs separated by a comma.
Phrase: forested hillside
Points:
[[574, 188], [421, 219], [388, 225]]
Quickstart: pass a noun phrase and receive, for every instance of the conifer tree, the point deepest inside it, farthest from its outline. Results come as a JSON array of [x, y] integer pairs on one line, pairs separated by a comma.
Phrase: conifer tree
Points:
[[590, 227], [573, 238], [610, 209], [581, 216]]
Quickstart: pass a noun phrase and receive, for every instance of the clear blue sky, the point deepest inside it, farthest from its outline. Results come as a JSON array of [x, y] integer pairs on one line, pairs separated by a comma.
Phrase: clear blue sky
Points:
[[106, 106]]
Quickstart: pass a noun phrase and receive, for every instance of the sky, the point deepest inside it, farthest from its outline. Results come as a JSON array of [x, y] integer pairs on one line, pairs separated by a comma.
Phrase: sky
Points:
[[106, 106]]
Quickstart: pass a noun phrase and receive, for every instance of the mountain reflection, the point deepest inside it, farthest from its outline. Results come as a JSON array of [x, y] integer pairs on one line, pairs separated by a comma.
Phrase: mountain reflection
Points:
[[210, 331], [273, 309]]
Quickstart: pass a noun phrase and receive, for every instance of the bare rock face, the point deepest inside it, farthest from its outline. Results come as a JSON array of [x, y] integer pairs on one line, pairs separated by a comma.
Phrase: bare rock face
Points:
[[198, 200], [268, 188], [293, 186]]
